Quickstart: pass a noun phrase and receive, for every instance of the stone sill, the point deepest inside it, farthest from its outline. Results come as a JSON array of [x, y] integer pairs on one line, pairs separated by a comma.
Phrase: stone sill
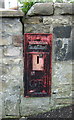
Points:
[[11, 13]]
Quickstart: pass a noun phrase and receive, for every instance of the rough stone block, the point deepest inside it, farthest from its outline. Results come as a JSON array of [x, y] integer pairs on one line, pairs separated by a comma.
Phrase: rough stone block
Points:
[[64, 94], [63, 74], [17, 40], [62, 32], [36, 28], [64, 101], [0, 86], [41, 9], [63, 49], [64, 8], [57, 20], [5, 41], [72, 19], [3, 70], [32, 20], [30, 106], [12, 51], [62, 81], [72, 47], [0, 105], [1, 53], [11, 27], [12, 61], [12, 101], [9, 80], [16, 71]]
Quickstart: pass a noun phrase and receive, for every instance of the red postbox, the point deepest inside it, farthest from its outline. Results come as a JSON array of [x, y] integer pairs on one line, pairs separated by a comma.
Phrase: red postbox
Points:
[[37, 64]]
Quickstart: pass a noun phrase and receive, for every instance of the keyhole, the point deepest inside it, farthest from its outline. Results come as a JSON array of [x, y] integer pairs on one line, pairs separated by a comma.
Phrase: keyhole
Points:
[[37, 59]]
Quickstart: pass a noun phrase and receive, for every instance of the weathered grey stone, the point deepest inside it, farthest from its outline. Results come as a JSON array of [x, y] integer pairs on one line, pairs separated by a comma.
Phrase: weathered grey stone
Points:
[[12, 101], [12, 61], [64, 8], [1, 53], [11, 13], [41, 9], [11, 76], [10, 73], [16, 71], [63, 77], [72, 47], [30, 106], [1, 100], [62, 83], [72, 32], [70, 55], [0, 86], [60, 67], [9, 80], [64, 101], [0, 104], [73, 19], [3, 70], [67, 94], [7, 41], [62, 31], [58, 20], [12, 51], [17, 40], [37, 28], [63, 49], [11, 27], [32, 20], [63, 90]]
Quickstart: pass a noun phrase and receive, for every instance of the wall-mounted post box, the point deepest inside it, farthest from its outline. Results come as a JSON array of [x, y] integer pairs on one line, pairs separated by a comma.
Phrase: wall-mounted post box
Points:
[[37, 64]]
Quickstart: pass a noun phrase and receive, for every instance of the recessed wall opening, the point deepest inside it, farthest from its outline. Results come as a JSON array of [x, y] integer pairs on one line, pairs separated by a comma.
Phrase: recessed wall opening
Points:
[[37, 59], [37, 64]]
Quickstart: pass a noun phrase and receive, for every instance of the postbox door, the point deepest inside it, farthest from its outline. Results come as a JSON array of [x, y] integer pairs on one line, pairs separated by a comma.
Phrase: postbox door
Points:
[[37, 64], [38, 75]]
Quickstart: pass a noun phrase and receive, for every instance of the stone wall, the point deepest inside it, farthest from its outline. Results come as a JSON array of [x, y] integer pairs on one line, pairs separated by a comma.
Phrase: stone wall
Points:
[[41, 18], [11, 62]]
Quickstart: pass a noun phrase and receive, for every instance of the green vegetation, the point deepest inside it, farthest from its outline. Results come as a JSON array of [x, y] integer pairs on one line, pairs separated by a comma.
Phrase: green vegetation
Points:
[[27, 4]]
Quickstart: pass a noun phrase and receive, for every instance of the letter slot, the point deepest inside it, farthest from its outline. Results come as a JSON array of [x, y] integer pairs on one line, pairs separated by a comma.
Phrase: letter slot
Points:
[[38, 63], [37, 59]]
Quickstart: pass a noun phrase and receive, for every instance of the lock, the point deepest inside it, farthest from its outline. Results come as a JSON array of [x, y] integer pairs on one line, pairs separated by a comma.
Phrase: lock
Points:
[[37, 64]]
